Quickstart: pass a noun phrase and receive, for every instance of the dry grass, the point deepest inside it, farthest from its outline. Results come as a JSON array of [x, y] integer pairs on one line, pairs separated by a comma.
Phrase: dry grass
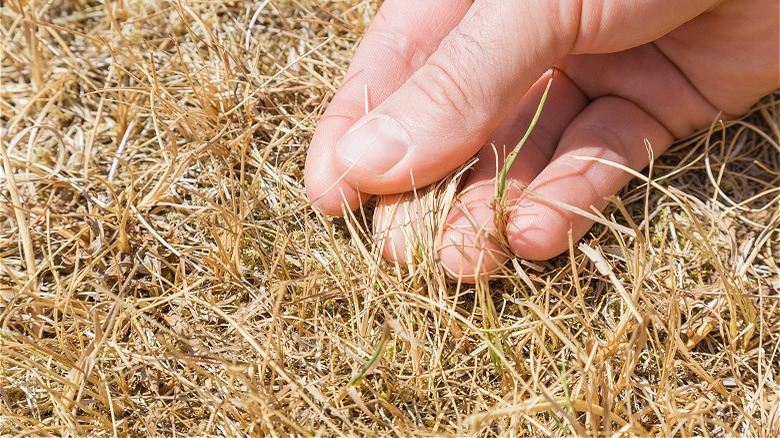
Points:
[[161, 271]]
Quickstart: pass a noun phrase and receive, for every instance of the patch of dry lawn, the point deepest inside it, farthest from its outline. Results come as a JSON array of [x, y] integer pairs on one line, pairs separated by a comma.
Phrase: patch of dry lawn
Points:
[[161, 271]]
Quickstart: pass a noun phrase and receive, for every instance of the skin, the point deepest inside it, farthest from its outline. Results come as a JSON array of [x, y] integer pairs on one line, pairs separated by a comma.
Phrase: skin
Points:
[[461, 78]]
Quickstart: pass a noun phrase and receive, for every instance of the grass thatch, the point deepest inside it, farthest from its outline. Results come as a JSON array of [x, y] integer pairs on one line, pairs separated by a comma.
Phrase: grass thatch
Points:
[[161, 271]]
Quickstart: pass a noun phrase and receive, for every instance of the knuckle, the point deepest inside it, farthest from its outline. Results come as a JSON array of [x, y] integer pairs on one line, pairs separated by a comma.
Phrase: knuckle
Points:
[[446, 91], [408, 51]]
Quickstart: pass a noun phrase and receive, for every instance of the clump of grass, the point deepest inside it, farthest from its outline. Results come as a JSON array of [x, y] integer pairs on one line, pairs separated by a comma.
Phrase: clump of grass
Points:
[[161, 271]]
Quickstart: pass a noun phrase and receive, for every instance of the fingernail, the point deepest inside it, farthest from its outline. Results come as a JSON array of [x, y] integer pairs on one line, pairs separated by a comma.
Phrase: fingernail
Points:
[[376, 145]]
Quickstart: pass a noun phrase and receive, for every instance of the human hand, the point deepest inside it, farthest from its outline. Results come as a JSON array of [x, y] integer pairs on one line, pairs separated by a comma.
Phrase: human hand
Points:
[[450, 79]]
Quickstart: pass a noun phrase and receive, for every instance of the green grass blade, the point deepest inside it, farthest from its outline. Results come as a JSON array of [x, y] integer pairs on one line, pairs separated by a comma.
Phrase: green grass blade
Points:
[[374, 360], [510, 159]]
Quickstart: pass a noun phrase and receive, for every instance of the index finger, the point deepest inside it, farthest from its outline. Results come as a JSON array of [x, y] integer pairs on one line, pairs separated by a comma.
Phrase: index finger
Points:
[[399, 41]]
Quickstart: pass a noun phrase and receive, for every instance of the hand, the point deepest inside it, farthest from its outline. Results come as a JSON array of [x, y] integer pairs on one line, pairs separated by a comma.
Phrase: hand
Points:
[[450, 79]]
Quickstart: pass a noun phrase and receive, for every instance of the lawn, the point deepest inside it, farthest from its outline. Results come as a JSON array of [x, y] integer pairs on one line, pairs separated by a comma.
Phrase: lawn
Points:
[[163, 273]]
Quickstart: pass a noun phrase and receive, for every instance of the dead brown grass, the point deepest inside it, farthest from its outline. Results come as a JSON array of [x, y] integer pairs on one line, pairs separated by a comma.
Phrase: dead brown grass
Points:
[[162, 273]]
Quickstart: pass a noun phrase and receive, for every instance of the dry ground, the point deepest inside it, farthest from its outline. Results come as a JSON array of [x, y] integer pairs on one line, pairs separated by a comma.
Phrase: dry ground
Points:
[[161, 271]]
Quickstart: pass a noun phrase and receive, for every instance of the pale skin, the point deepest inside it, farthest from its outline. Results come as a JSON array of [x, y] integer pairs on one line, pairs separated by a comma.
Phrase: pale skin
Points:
[[448, 80]]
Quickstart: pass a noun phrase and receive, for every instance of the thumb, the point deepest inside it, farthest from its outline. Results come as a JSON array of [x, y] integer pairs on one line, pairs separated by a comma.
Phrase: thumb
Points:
[[447, 109]]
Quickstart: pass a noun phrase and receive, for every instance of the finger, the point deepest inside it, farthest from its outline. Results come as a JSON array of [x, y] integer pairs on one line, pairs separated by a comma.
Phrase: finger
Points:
[[646, 77], [447, 109], [395, 230], [398, 42], [610, 128], [469, 247], [612, 26], [404, 224]]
